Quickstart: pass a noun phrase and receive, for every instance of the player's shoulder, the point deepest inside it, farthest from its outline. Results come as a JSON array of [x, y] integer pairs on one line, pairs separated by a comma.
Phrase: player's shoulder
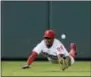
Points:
[[41, 42], [57, 41]]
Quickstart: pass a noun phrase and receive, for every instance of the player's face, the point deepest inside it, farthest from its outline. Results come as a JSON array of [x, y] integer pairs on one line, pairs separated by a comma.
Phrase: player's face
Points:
[[48, 42]]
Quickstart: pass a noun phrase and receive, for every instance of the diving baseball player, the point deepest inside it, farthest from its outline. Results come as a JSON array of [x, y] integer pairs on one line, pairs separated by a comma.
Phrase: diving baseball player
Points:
[[54, 50]]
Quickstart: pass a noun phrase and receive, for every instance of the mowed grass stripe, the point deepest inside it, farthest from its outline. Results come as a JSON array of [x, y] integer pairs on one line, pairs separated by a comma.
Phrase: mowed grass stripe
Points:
[[42, 68]]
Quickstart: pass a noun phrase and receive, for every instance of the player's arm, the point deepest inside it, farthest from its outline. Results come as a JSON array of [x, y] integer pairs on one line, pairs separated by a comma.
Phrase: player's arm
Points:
[[31, 58], [33, 55]]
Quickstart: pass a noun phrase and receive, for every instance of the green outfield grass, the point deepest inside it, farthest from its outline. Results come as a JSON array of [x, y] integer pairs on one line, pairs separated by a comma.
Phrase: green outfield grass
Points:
[[44, 68]]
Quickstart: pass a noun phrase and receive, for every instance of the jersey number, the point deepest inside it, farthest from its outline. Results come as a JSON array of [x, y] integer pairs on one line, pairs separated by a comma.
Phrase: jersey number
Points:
[[60, 48]]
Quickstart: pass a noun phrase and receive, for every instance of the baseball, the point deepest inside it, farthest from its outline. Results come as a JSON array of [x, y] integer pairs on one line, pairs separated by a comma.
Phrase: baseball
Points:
[[63, 36]]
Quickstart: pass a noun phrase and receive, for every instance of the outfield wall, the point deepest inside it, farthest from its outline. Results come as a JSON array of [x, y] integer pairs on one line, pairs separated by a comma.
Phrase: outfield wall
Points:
[[23, 25]]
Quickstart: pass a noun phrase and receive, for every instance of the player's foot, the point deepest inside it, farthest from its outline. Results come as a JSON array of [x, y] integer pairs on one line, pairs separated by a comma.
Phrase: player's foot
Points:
[[73, 49], [25, 67]]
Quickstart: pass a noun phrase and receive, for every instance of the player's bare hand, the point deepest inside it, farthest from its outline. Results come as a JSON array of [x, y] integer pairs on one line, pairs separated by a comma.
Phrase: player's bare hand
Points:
[[25, 66]]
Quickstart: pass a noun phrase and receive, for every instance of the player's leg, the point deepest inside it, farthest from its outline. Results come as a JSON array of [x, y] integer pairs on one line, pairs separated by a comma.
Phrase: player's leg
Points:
[[72, 55], [73, 50], [71, 58]]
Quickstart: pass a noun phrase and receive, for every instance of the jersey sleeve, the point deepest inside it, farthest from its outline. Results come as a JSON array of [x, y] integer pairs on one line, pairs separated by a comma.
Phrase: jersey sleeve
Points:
[[61, 49], [38, 48]]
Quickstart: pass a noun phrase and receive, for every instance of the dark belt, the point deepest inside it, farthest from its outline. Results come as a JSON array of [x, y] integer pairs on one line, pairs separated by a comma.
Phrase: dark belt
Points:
[[51, 56]]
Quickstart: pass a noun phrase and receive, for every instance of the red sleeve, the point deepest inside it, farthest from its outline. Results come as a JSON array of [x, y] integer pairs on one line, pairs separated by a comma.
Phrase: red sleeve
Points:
[[32, 57]]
